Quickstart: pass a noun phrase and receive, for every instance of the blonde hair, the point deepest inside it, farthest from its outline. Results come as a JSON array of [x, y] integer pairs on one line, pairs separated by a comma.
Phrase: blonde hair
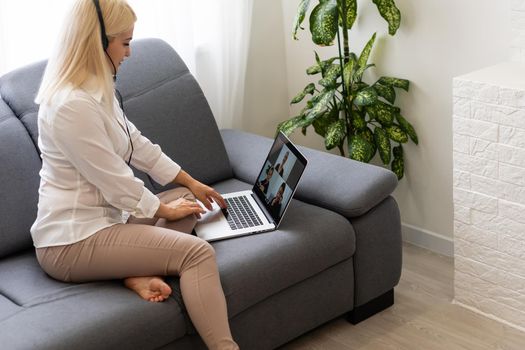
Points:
[[79, 54]]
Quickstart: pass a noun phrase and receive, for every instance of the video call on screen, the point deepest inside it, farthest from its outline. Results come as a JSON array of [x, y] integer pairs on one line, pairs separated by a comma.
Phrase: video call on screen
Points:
[[279, 177]]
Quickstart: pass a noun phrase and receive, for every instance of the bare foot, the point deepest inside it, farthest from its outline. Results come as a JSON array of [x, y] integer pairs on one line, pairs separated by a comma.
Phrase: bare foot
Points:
[[149, 288]]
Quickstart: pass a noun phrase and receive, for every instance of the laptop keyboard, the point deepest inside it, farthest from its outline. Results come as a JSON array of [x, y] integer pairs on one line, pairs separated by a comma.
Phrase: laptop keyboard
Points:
[[241, 213]]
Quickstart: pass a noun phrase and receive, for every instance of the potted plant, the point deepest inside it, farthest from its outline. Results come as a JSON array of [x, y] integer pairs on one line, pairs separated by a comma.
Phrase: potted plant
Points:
[[357, 117]]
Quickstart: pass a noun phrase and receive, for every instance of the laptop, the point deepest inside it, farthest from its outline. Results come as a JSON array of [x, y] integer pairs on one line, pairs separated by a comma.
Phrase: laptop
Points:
[[262, 209]]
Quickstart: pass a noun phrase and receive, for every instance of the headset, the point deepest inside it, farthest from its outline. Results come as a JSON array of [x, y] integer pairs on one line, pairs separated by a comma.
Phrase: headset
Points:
[[105, 44]]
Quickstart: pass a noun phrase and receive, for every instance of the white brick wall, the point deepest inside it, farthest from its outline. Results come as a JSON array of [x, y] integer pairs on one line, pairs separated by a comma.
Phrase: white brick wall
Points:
[[489, 193]]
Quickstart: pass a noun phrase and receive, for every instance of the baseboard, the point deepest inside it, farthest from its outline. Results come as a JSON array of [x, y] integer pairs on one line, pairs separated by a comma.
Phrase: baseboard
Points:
[[428, 240]]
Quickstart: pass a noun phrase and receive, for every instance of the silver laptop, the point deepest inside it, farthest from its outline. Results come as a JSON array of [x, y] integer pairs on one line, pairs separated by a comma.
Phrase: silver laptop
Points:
[[261, 209]]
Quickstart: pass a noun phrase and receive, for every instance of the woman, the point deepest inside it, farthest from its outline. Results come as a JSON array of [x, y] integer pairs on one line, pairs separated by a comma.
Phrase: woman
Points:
[[87, 185], [276, 201], [265, 183]]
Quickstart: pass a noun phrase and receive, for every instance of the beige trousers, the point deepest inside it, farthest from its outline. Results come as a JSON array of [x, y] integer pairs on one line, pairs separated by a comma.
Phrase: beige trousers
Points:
[[152, 247]]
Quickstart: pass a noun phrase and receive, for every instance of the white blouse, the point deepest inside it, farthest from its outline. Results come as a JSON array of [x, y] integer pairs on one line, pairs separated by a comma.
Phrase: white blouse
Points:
[[85, 182]]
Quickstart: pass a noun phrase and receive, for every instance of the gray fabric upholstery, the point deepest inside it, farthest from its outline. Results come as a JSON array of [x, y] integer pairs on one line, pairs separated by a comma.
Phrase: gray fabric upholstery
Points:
[[166, 104], [18, 89], [46, 314], [309, 240], [18, 183], [345, 186], [338, 246], [288, 314], [378, 255]]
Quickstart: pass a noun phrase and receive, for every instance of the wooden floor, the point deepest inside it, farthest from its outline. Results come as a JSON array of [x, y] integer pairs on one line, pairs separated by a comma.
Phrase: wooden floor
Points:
[[422, 318]]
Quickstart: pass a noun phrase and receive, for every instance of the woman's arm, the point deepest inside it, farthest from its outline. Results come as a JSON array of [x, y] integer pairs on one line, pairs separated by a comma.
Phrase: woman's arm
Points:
[[202, 192]]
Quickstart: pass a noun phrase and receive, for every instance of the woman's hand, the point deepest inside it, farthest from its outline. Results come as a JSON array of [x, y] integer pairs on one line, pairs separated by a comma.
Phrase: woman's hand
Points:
[[206, 195], [179, 209], [203, 193]]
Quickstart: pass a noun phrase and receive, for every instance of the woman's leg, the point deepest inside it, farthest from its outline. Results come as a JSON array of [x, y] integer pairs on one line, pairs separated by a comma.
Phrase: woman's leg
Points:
[[153, 288], [125, 250]]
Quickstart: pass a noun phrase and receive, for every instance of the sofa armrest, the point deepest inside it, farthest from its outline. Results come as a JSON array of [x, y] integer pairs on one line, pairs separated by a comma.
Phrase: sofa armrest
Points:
[[345, 186]]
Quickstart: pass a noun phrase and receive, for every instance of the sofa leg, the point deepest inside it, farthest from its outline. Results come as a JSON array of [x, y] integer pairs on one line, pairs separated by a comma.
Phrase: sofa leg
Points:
[[362, 312]]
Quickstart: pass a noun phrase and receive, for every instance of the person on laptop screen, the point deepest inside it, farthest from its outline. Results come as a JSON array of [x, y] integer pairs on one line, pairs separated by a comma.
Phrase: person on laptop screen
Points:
[[276, 201], [87, 184]]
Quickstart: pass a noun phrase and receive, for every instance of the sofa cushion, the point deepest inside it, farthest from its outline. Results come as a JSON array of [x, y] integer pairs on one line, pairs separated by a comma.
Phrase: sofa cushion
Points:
[[18, 89], [343, 185], [102, 315], [164, 101], [309, 240], [18, 183]]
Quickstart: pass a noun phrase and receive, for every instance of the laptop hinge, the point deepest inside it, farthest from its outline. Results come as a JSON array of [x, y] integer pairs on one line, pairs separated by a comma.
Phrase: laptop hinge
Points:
[[262, 205]]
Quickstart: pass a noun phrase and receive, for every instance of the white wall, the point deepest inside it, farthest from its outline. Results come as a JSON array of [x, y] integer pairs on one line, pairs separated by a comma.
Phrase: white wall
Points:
[[438, 39]]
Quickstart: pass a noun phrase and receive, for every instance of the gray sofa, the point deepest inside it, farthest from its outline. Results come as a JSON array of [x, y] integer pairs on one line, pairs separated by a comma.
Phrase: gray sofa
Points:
[[337, 252]]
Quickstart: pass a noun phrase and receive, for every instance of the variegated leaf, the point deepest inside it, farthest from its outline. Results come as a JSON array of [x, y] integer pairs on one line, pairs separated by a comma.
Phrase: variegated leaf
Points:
[[383, 144], [358, 121], [322, 102], [348, 72], [358, 75], [366, 97], [322, 123], [365, 54], [288, 126], [386, 92], [309, 89], [408, 128], [360, 149], [335, 134], [351, 13], [299, 17], [389, 11], [382, 112], [330, 77], [323, 22], [398, 164], [395, 133], [395, 82]]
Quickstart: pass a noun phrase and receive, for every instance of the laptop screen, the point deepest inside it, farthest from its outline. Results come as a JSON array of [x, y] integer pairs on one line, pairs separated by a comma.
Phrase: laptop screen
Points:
[[278, 179]]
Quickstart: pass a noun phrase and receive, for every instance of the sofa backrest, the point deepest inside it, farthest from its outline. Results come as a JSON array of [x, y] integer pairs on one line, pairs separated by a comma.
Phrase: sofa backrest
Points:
[[161, 98], [165, 102], [19, 167]]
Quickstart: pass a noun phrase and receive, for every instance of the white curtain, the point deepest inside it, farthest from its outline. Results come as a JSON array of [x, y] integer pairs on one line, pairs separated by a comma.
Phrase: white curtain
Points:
[[211, 36]]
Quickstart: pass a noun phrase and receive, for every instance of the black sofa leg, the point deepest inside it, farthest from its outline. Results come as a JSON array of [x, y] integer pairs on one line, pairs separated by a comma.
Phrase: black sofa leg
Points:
[[362, 312]]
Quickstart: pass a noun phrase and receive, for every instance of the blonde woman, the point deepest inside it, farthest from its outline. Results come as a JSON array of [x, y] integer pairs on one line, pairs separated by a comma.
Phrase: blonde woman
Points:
[[87, 184]]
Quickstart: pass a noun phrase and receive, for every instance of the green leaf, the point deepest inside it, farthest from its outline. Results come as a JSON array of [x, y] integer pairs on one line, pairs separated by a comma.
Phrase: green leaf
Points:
[[335, 134], [398, 164], [320, 67], [407, 128], [332, 73], [358, 121], [389, 11], [309, 89], [322, 122], [348, 72], [323, 23], [386, 92], [366, 97], [382, 112], [396, 133], [351, 13], [395, 82], [383, 144], [360, 149], [358, 75], [299, 17], [288, 126], [365, 54], [321, 104]]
